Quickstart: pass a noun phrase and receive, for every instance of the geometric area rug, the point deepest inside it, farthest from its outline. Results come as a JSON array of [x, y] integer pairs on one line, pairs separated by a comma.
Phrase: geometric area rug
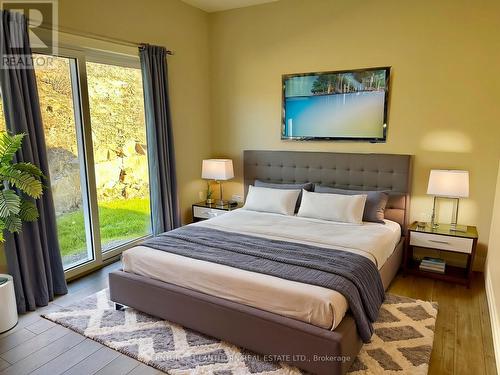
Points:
[[401, 344]]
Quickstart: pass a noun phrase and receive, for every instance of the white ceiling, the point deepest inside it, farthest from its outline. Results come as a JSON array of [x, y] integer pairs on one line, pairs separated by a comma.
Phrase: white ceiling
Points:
[[218, 5]]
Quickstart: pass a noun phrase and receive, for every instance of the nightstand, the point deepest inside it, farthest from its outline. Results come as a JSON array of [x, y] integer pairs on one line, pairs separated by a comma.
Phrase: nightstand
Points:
[[204, 211], [441, 239]]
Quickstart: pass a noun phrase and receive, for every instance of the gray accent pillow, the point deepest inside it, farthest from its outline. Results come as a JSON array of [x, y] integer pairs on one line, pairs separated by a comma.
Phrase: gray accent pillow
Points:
[[375, 201], [309, 186]]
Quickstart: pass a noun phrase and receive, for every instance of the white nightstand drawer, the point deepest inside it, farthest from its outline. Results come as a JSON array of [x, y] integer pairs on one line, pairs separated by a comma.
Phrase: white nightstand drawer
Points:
[[436, 241], [207, 213]]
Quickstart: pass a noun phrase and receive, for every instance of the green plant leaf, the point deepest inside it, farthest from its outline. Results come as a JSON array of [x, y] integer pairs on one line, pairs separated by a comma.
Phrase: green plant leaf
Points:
[[9, 203], [9, 144], [24, 181], [29, 168], [25, 177], [13, 224], [28, 211]]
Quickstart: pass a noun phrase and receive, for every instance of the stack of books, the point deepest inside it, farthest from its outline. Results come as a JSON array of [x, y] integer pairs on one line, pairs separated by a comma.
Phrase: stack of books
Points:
[[432, 265]]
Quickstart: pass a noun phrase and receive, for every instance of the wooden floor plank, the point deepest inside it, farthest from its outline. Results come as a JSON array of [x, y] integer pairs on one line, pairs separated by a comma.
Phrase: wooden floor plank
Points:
[[119, 366], [486, 331], [143, 369], [14, 329], [84, 282], [443, 354], [31, 317], [15, 339], [30, 346], [469, 343], [44, 355], [68, 359], [92, 278], [3, 364], [40, 326], [23, 321], [71, 298], [94, 362], [412, 286]]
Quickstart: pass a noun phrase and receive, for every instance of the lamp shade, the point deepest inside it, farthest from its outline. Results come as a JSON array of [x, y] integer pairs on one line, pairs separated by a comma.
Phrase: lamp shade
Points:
[[448, 183], [217, 169]]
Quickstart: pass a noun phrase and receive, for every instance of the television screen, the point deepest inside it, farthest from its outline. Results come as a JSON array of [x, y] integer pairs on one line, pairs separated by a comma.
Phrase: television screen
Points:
[[343, 105]]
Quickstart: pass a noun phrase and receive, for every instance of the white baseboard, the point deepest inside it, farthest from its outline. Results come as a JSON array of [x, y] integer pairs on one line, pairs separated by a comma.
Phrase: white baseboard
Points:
[[494, 317]]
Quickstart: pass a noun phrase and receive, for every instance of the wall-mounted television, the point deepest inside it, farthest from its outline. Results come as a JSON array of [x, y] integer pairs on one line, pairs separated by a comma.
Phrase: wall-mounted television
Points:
[[339, 105]]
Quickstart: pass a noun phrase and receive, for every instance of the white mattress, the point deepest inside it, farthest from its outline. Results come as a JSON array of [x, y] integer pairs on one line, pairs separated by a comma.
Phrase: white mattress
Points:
[[320, 306]]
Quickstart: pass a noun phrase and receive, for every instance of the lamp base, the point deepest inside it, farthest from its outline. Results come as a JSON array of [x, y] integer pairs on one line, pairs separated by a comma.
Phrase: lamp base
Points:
[[221, 203]]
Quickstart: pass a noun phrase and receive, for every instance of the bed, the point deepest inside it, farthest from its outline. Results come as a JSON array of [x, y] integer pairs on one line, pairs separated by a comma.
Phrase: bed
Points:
[[295, 322]]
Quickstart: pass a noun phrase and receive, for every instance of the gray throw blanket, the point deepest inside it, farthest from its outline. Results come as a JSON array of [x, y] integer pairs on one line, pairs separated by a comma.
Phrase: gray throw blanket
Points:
[[352, 275]]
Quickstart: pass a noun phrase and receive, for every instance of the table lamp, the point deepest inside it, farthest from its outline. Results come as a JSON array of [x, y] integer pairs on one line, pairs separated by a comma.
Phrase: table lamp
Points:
[[450, 184], [218, 170]]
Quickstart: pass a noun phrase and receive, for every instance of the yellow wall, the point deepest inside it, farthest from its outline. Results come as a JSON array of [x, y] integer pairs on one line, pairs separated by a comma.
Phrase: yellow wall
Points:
[[492, 274], [184, 30], [225, 79], [445, 85]]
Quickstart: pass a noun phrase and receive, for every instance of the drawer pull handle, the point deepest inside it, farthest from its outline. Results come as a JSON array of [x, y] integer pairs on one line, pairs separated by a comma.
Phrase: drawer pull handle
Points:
[[442, 242]]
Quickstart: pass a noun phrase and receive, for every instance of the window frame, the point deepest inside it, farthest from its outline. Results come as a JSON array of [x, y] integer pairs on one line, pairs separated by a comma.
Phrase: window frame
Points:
[[81, 105]]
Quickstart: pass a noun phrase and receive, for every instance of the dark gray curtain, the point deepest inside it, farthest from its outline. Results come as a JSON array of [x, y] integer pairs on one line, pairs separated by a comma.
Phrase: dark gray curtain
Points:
[[33, 256], [162, 177]]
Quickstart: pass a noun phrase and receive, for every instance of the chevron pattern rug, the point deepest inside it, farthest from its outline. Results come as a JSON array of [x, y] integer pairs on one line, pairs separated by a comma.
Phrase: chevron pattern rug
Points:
[[402, 342]]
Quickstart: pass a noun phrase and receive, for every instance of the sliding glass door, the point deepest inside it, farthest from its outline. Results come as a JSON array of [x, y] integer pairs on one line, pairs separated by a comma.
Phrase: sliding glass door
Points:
[[120, 157], [93, 116], [58, 94]]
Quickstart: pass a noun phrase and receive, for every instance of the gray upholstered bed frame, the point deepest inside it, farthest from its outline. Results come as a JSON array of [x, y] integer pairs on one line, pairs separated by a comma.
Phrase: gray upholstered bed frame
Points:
[[386, 172], [300, 344]]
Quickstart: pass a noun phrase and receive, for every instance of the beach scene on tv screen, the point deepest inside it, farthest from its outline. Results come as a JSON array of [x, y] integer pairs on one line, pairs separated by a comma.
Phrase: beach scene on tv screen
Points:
[[335, 105]]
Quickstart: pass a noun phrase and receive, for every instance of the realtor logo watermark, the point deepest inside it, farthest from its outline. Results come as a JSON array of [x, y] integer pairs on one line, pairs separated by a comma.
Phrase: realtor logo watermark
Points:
[[42, 16]]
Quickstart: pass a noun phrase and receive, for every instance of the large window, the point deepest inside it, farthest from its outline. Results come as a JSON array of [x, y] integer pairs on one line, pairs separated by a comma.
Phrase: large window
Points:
[[93, 117], [56, 93], [119, 140]]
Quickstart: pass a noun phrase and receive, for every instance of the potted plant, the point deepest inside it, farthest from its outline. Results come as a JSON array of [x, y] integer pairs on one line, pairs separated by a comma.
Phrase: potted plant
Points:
[[21, 186]]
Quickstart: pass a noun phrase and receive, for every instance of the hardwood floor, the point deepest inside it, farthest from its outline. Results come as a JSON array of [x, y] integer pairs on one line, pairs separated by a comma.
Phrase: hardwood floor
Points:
[[463, 343], [38, 346]]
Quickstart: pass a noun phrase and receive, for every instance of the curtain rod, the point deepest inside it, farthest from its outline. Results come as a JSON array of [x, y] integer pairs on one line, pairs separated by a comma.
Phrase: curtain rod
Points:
[[103, 38]]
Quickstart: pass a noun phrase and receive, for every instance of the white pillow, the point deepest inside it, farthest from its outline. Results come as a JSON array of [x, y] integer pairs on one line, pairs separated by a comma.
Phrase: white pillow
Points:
[[334, 207], [278, 201]]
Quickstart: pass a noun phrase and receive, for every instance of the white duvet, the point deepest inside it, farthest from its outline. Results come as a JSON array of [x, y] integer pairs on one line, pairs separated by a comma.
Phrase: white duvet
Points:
[[312, 304]]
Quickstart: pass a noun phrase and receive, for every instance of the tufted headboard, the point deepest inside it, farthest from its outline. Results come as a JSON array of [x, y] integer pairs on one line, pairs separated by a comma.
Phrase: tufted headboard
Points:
[[387, 172]]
